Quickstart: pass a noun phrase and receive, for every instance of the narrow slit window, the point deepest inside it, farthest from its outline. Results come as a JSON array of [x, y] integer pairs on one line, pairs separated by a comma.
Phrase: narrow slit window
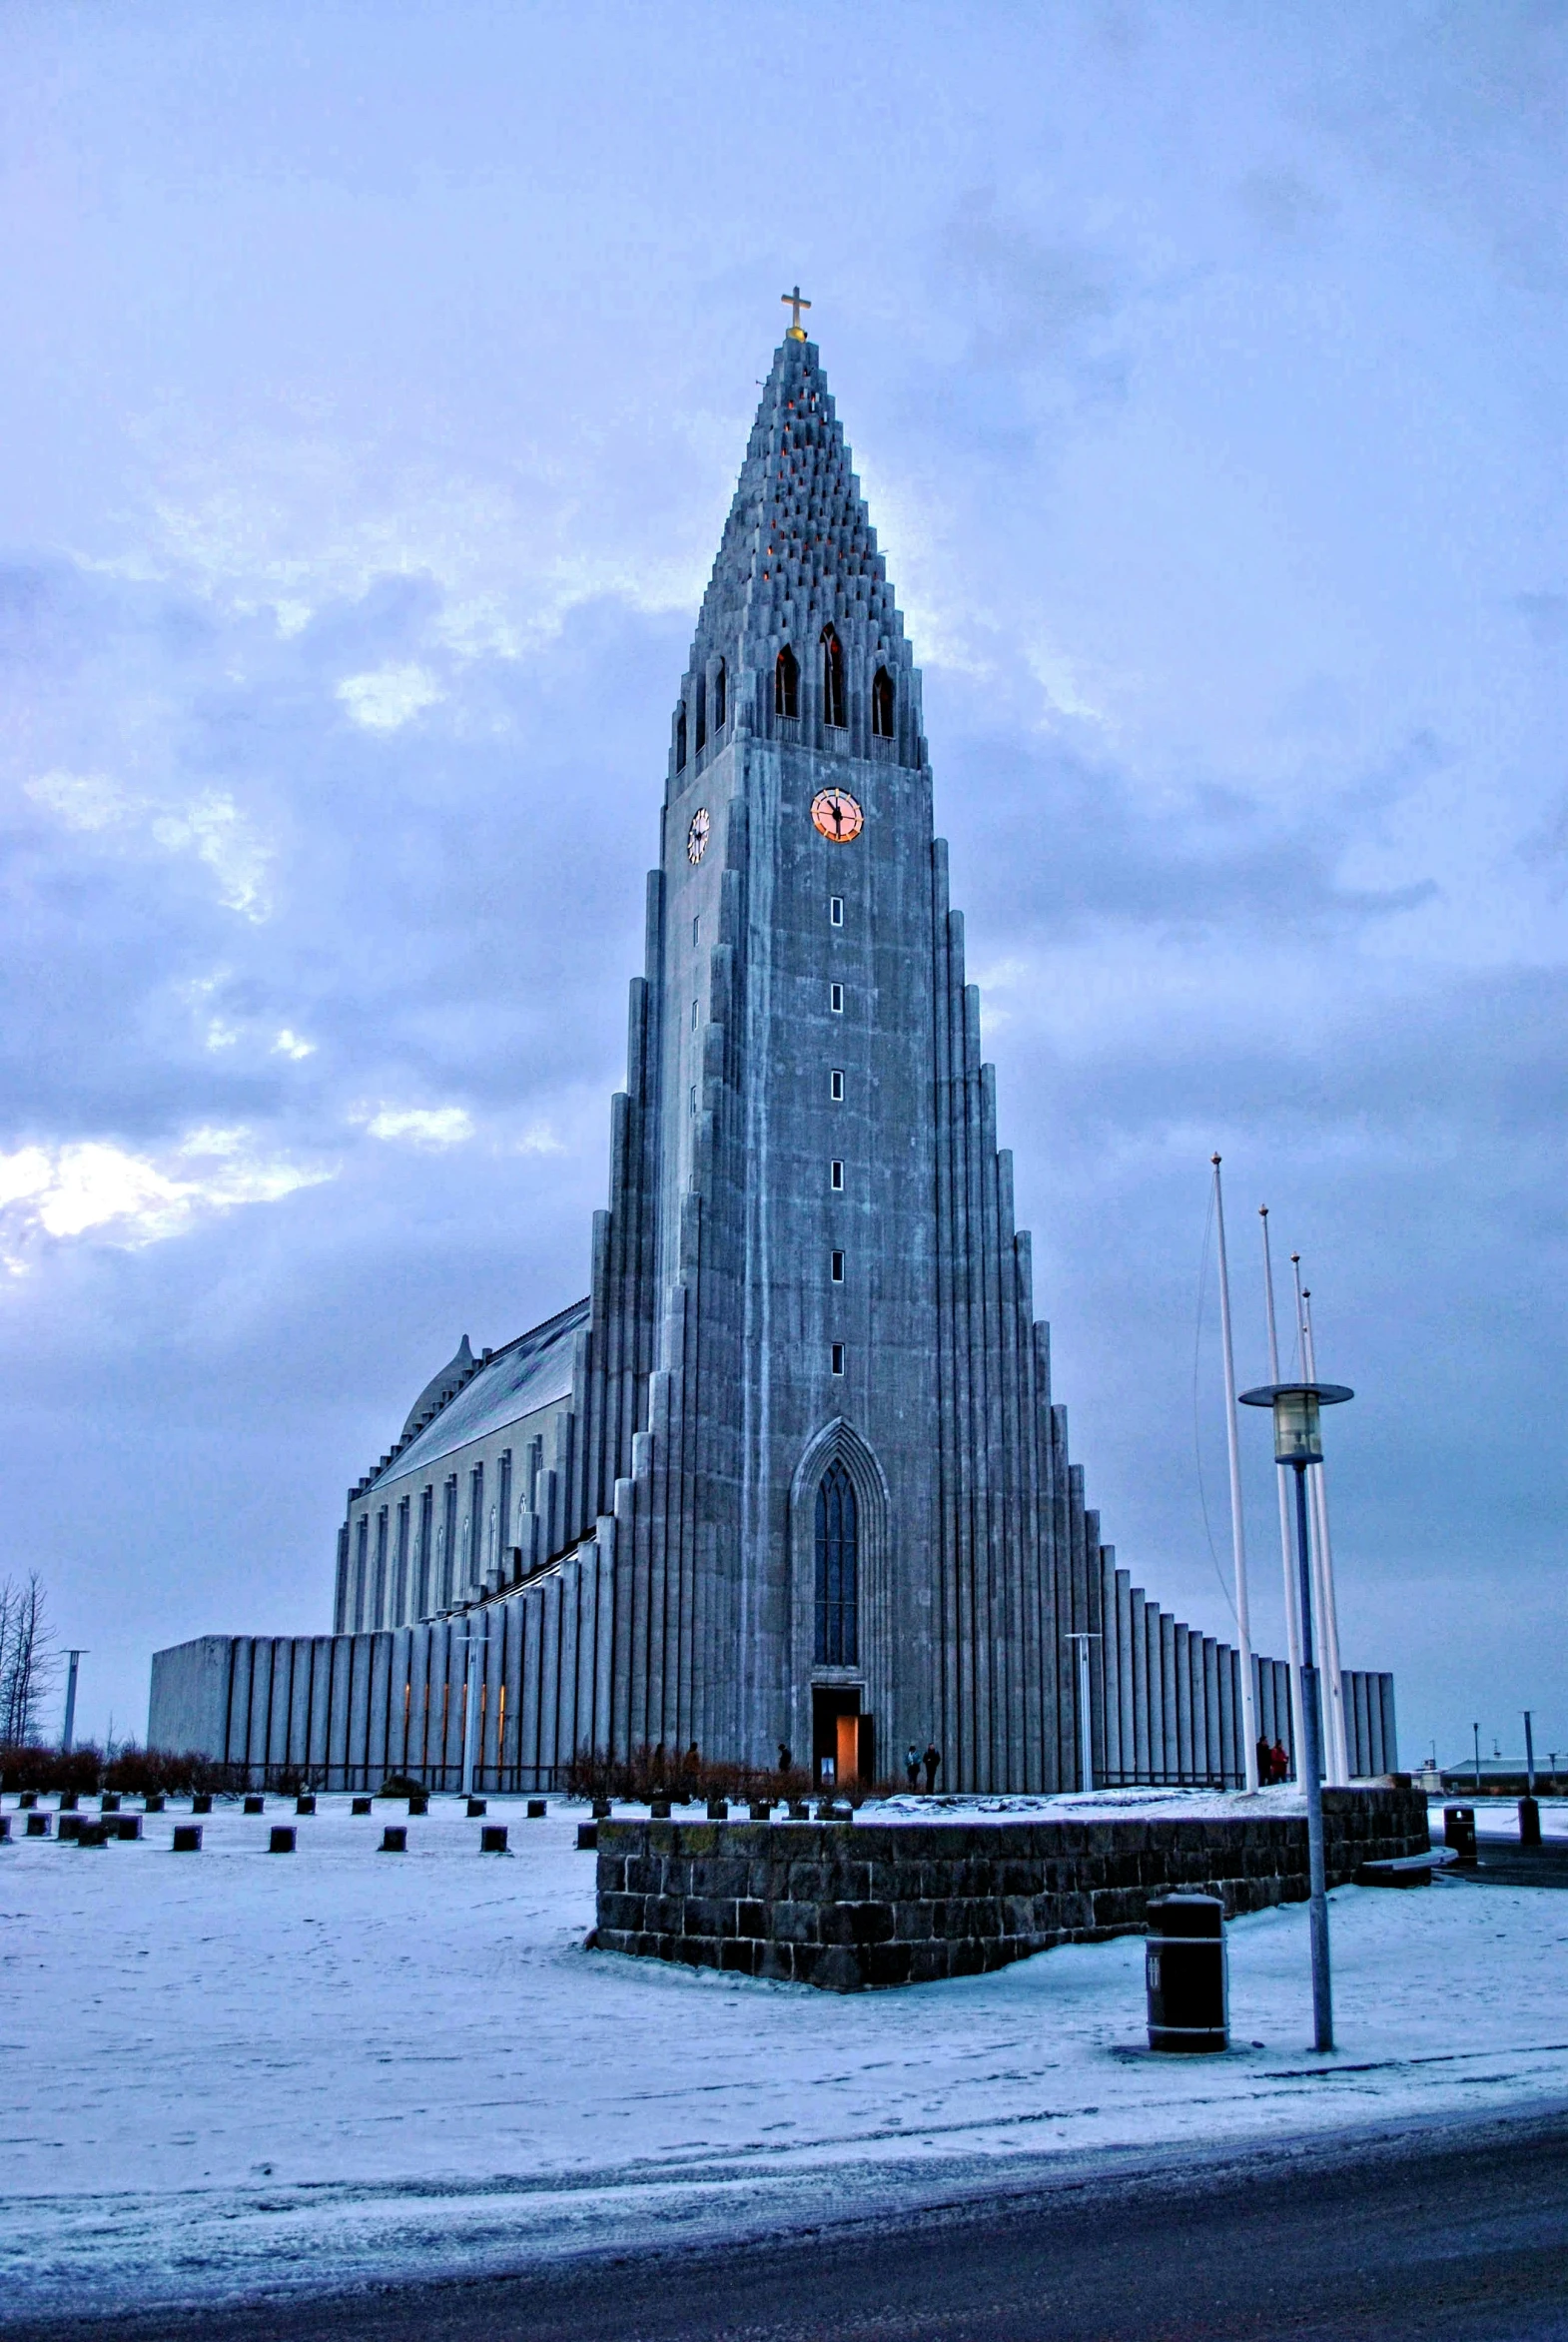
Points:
[[836, 1271], [833, 679], [702, 711], [838, 1357], [836, 1175], [696, 930], [694, 1016], [836, 1084], [786, 683], [680, 737], [882, 705], [718, 697], [694, 1098], [835, 910], [836, 999]]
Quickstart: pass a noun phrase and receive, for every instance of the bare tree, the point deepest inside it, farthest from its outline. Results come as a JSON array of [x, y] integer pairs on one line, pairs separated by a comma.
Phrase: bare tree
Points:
[[27, 1659]]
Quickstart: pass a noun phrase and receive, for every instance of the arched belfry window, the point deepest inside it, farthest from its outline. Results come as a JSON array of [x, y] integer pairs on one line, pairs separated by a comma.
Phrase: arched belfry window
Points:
[[786, 683], [680, 737], [837, 1639], [718, 697], [882, 705], [832, 679]]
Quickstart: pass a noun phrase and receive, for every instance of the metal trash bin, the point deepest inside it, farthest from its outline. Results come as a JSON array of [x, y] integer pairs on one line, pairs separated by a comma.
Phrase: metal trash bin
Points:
[[1459, 1832], [1184, 1972]]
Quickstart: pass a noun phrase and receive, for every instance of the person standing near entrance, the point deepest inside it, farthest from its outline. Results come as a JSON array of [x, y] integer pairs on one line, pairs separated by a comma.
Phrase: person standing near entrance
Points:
[[933, 1764], [912, 1765]]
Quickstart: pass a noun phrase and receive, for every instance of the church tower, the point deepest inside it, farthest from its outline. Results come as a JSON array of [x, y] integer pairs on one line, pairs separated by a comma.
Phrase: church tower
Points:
[[789, 1475], [845, 1521]]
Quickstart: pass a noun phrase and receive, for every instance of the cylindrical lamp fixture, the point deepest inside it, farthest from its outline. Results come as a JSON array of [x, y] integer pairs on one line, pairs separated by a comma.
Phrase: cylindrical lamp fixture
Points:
[[1298, 1437]]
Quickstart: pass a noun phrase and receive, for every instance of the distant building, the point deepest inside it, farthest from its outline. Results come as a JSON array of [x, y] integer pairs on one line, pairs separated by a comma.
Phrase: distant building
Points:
[[790, 1473]]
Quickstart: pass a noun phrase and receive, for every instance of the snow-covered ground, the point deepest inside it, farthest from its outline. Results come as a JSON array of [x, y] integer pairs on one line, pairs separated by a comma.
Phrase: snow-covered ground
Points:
[[236, 2072]]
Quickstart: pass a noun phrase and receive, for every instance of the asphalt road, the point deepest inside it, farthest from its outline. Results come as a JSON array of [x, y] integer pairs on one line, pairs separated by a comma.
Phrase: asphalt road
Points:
[[1449, 2231]]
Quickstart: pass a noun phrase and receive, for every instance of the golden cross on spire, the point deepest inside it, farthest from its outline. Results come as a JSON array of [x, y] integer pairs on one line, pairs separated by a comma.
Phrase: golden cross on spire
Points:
[[794, 331]]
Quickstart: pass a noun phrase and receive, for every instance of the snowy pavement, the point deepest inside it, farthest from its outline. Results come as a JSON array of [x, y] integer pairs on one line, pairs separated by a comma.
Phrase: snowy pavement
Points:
[[238, 2071]]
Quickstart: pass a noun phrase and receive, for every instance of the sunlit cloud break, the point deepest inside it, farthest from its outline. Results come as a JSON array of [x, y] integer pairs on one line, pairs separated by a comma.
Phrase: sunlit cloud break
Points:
[[94, 1187], [210, 825], [427, 1125], [390, 697]]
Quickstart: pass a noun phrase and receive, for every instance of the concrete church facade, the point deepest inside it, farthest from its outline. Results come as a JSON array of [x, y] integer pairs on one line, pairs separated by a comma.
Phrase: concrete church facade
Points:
[[791, 1473]]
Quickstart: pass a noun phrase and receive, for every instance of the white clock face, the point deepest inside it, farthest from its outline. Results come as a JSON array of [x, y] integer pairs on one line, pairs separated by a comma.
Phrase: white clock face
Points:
[[697, 836]]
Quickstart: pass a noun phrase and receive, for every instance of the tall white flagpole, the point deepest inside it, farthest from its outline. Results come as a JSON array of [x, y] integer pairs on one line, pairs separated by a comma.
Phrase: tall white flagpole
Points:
[[1292, 1623], [1340, 1742], [1243, 1631]]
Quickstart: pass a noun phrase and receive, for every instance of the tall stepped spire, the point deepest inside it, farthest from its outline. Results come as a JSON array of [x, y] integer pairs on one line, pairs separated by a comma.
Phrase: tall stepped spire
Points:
[[799, 555]]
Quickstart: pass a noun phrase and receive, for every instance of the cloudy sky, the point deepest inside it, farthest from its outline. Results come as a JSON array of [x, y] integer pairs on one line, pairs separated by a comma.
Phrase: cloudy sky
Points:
[[377, 372]]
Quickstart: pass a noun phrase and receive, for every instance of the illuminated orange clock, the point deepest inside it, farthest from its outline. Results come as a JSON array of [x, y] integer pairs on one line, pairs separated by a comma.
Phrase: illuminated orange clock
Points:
[[697, 835], [837, 815]]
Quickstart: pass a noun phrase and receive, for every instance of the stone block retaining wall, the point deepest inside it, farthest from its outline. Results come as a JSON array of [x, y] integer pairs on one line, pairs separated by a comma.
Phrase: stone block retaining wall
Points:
[[849, 1905]]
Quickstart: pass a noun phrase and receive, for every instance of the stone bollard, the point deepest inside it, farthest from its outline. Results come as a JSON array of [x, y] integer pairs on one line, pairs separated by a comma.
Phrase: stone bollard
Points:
[[38, 1824], [26, 1800], [130, 1827], [1184, 1974], [201, 1801], [535, 1808], [153, 1803], [362, 1804], [761, 1809], [419, 1804], [492, 1838], [395, 1837], [282, 1839], [1529, 1820], [89, 1833], [601, 1808], [5, 1828], [187, 1838], [68, 1801], [304, 1802], [659, 1809], [718, 1809], [109, 1803], [587, 1836], [830, 1810], [255, 1805], [1459, 1832], [476, 1808], [799, 1810], [70, 1829]]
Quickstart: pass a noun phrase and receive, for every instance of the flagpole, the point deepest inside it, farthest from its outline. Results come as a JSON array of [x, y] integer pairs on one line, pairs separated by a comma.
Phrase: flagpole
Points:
[[1292, 1623], [1328, 1671], [1338, 1741], [1243, 1629]]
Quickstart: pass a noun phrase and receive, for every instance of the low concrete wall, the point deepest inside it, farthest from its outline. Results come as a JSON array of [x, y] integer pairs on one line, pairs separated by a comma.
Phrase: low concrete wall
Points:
[[852, 1905]]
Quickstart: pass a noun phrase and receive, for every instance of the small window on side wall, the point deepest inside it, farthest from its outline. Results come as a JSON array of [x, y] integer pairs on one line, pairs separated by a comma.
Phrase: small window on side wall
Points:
[[786, 683], [882, 705], [836, 1084], [836, 999], [718, 697], [680, 737], [702, 713], [838, 1357], [836, 1269], [835, 910]]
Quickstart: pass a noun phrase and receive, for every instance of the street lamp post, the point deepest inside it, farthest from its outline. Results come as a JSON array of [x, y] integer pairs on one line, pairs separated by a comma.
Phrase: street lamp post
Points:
[[1086, 1721], [1298, 1443]]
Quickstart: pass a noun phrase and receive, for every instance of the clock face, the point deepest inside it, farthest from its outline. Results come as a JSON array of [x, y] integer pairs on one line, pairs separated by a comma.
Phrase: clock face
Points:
[[837, 815], [697, 835]]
